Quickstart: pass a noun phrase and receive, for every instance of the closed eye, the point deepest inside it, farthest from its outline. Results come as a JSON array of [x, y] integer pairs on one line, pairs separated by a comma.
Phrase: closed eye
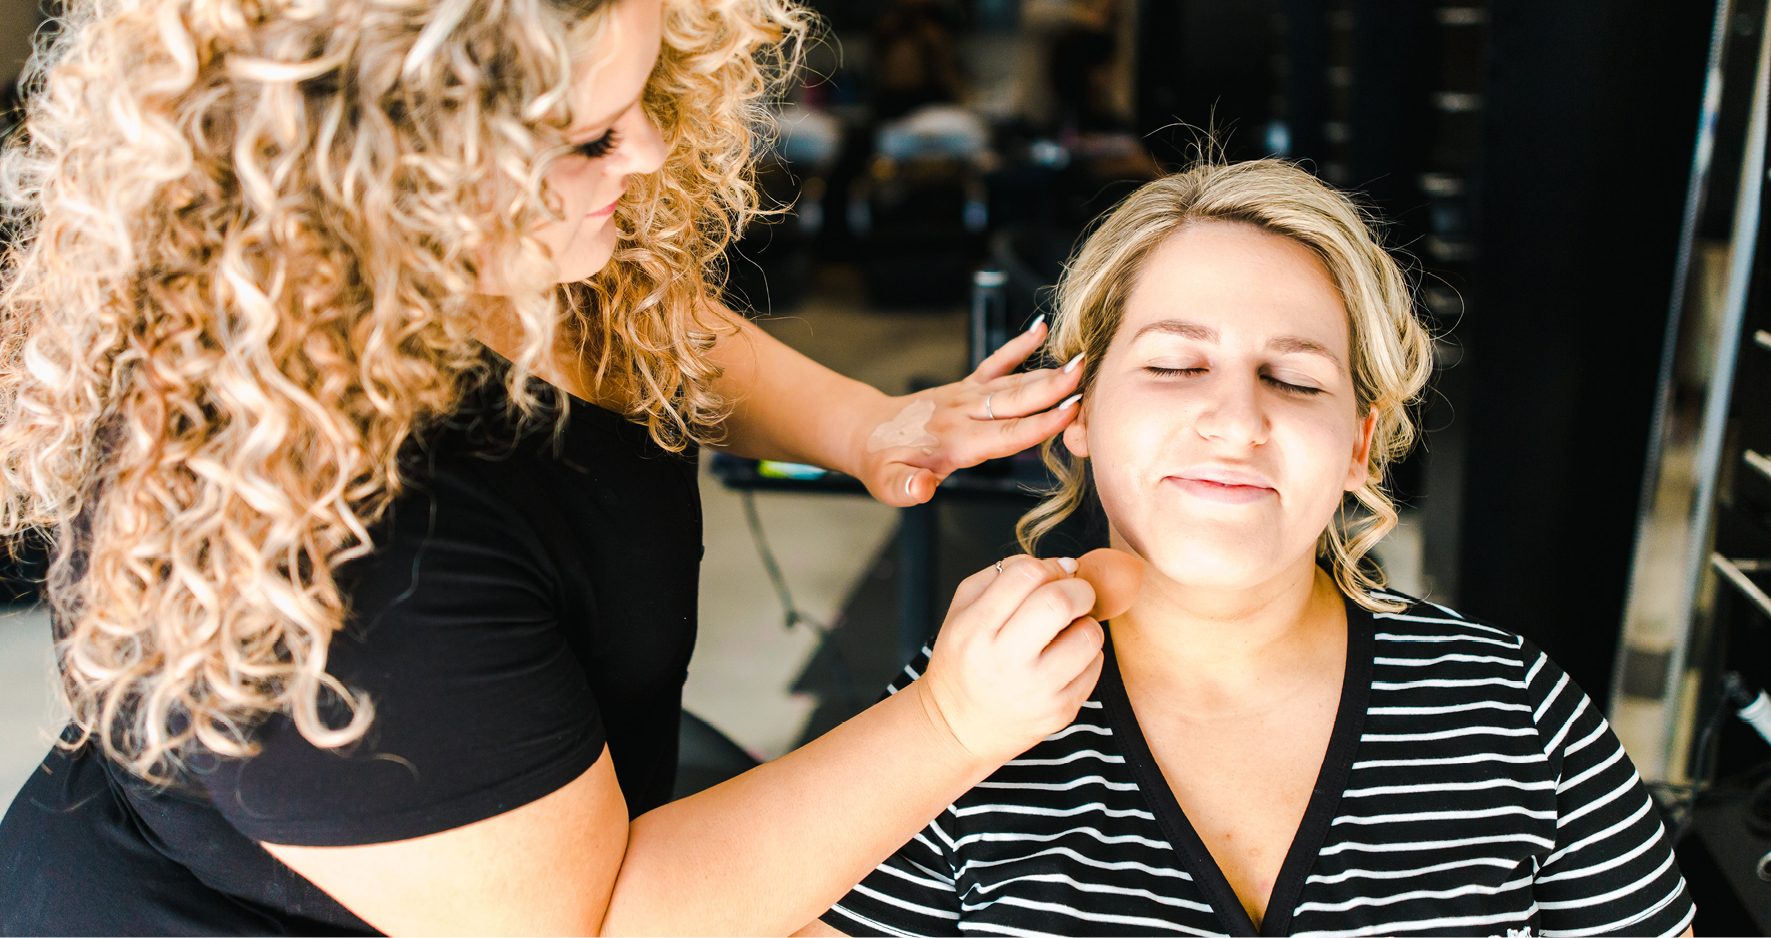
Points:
[[1173, 372], [600, 147], [1290, 388]]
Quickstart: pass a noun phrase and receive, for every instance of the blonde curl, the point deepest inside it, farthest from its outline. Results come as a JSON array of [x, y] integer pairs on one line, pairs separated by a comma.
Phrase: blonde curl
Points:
[[250, 236]]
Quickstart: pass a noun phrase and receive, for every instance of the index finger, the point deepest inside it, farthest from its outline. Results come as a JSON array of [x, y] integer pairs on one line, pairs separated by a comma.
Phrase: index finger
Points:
[[1004, 595], [1004, 360]]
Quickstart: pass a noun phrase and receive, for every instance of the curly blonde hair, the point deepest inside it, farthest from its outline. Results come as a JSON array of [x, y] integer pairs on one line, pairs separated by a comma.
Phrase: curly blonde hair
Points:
[[1392, 353], [250, 235]]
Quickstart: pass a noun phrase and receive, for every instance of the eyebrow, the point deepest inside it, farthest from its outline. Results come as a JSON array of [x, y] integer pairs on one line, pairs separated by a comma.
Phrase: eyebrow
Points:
[[1283, 344]]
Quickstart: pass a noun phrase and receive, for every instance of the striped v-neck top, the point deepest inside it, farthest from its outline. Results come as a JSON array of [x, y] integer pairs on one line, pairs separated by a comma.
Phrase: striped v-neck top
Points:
[[1469, 788]]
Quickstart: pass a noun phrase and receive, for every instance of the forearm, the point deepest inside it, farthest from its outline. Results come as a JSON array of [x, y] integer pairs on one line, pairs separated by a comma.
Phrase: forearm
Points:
[[773, 848], [786, 406]]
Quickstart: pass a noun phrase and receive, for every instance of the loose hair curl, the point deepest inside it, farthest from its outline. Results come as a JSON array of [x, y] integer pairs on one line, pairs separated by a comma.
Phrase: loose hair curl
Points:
[[1392, 353], [248, 233]]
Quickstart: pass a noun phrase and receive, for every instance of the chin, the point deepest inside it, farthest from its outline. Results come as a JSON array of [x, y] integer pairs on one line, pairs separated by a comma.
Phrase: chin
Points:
[[587, 258], [1219, 561]]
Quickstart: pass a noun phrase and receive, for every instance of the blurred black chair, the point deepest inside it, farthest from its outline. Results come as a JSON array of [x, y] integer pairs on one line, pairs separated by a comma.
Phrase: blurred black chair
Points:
[[706, 757]]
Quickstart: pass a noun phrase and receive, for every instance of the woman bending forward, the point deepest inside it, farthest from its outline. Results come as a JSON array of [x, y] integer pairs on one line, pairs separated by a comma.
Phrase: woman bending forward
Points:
[[355, 358]]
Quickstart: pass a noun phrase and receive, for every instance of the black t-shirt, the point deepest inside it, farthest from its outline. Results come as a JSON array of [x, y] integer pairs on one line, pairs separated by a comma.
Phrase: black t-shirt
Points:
[[527, 602]]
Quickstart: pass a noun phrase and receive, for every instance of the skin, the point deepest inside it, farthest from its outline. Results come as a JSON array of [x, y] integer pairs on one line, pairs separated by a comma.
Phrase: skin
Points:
[[1234, 650], [769, 850]]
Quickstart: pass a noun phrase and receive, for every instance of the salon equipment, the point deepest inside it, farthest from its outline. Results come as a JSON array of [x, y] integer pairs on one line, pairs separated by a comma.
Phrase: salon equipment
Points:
[[990, 315]]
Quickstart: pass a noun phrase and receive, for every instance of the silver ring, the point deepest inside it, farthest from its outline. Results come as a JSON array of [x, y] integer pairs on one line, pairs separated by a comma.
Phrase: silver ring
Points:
[[999, 566], [987, 409]]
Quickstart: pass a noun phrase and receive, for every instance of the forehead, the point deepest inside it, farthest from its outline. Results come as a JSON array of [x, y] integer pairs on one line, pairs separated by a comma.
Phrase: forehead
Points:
[[618, 48], [1244, 282]]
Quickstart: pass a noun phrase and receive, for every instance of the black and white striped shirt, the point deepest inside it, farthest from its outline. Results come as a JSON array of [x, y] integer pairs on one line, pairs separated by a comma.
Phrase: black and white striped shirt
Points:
[[1469, 788]]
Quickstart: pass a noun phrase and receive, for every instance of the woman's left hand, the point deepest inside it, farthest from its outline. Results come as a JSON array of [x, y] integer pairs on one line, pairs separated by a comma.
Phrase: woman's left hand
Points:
[[923, 437]]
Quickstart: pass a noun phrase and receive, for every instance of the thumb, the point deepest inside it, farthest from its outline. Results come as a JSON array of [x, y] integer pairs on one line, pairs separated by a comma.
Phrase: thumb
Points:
[[905, 485]]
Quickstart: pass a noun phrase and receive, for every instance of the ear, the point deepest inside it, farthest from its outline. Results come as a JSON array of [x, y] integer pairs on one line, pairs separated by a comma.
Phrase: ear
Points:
[[1360, 469], [1076, 434]]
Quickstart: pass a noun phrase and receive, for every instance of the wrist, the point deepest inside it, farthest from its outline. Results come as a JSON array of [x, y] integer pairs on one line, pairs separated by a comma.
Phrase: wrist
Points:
[[945, 741]]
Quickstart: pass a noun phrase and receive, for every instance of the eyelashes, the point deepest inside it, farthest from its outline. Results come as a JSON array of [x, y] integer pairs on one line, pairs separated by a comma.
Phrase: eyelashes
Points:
[[1282, 386], [600, 147]]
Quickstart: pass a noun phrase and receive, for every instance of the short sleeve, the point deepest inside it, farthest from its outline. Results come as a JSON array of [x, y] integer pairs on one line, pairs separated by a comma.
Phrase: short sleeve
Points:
[[912, 892], [1612, 869], [479, 704]]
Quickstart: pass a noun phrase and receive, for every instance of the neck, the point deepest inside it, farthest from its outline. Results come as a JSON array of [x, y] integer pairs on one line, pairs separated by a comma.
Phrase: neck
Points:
[[498, 328], [1221, 650]]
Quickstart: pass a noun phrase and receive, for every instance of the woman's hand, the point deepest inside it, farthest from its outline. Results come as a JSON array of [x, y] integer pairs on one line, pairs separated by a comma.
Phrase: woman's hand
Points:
[[1016, 657], [922, 438]]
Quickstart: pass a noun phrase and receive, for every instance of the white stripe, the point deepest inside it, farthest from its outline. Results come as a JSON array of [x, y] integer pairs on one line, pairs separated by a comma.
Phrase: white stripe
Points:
[[1443, 682], [1685, 922], [1612, 863], [1450, 708], [1536, 666], [907, 876], [991, 928], [1403, 637], [1461, 922], [1586, 740], [1074, 783], [1468, 889], [1592, 771], [1347, 845], [1555, 692], [1598, 803], [1591, 839], [1452, 760], [995, 837], [1471, 659], [1604, 897], [1626, 922], [1072, 757], [1501, 811], [1091, 705], [870, 923], [1093, 807], [1448, 734], [1053, 907], [1503, 863], [1098, 888], [1111, 865], [1544, 785], [896, 902], [1079, 728], [1562, 733], [935, 875]]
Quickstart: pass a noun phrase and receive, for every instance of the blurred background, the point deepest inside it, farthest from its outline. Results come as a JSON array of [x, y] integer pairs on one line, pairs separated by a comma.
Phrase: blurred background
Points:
[[1575, 187]]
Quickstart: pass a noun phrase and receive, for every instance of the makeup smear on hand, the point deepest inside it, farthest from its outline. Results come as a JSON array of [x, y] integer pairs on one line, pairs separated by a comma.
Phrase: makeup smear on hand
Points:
[[909, 428]]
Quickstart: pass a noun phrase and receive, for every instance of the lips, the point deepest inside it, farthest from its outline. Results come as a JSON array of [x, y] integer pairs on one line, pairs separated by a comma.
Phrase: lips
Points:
[[1223, 485], [605, 211]]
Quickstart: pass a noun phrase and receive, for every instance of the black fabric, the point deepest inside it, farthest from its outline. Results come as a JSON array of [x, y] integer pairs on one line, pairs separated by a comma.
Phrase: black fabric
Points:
[[528, 601]]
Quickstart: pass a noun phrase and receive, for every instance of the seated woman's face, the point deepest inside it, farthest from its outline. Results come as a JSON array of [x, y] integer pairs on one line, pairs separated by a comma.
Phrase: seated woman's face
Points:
[[1223, 427]]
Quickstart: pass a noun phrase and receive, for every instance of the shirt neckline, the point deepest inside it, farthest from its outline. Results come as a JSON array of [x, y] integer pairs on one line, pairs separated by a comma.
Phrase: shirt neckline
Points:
[[1306, 844]]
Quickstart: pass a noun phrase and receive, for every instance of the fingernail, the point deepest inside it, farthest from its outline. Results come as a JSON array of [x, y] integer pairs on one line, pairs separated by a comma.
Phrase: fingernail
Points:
[[1069, 401], [1073, 363], [1036, 321], [1068, 564]]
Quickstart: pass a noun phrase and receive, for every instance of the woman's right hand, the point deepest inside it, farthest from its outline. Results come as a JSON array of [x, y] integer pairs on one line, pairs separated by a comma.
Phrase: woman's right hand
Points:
[[1017, 656]]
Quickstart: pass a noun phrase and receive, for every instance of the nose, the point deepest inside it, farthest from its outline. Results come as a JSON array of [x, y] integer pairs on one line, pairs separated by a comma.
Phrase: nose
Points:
[[642, 149], [1232, 413]]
